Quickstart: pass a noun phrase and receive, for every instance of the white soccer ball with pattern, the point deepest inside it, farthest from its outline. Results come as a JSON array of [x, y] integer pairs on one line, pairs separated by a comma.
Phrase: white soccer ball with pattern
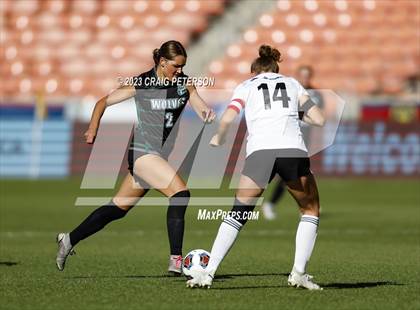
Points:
[[195, 262]]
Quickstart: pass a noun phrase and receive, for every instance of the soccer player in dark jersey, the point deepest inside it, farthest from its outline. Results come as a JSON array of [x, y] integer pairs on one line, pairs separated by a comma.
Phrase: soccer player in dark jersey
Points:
[[304, 76], [160, 96]]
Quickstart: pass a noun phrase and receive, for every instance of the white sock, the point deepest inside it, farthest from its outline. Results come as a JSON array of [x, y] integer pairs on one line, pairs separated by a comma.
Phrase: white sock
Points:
[[226, 236], [305, 241]]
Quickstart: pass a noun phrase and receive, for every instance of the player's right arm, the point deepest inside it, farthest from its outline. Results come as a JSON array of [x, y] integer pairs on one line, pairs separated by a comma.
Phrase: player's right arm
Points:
[[237, 103], [116, 96], [227, 119], [312, 115]]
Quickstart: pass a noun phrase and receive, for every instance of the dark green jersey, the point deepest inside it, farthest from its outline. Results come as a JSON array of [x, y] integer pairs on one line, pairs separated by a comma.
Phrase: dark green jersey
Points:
[[159, 105]]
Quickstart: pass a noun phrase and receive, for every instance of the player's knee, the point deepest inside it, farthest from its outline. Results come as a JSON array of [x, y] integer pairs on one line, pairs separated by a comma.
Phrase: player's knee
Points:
[[182, 196], [178, 204], [248, 197], [112, 212], [310, 200], [122, 204], [244, 200], [310, 207], [175, 190]]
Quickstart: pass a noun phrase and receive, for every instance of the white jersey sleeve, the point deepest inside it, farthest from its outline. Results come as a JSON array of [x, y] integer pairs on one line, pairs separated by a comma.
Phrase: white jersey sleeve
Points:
[[239, 98], [301, 91]]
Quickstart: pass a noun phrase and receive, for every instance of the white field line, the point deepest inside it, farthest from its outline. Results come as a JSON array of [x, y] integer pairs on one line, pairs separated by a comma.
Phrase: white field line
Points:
[[162, 201], [263, 232]]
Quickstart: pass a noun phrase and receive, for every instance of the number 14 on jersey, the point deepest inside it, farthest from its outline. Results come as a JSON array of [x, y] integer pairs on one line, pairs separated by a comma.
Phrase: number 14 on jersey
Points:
[[266, 93]]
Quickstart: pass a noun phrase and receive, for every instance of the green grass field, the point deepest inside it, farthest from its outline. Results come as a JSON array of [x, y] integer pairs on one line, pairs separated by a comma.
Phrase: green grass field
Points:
[[366, 257]]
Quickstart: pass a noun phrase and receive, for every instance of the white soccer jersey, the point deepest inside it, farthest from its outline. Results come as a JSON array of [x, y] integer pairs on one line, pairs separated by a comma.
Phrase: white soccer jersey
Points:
[[271, 108]]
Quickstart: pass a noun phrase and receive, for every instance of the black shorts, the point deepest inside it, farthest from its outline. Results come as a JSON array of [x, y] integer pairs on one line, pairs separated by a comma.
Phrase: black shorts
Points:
[[133, 155], [290, 164]]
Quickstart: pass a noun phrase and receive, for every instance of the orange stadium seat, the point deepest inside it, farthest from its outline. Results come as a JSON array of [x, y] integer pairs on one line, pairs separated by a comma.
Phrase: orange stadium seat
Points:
[[204, 7], [25, 7], [85, 7], [81, 41], [55, 6], [360, 46], [352, 45]]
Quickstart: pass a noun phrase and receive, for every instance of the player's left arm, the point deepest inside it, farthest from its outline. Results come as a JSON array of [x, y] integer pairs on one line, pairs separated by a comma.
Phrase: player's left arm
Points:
[[203, 111], [312, 114]]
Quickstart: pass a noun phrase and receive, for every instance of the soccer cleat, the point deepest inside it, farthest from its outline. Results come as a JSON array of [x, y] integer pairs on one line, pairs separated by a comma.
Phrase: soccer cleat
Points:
[[64, 249], [302, 280], [175, 265], [204, 280], [268, 211], [194, 282]]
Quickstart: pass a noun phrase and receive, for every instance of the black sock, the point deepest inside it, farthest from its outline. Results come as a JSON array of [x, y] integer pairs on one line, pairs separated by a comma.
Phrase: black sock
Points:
[[175, 220], [96, 221], [278, 192], [241, 211]]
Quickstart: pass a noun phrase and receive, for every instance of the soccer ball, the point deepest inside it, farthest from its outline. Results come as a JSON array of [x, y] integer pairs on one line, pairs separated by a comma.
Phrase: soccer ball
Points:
[[195, 262]]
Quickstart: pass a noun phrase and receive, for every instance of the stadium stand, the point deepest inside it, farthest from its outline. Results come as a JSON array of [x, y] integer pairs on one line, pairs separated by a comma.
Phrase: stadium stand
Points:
[[354, 46], [77, 48]]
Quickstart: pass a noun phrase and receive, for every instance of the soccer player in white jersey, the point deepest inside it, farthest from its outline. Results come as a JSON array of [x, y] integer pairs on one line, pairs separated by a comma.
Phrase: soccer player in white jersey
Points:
[[275, 146], [304, 75]]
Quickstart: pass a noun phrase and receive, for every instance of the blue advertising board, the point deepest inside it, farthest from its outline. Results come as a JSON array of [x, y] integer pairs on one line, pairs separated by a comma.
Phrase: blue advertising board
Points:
[[35, 149]]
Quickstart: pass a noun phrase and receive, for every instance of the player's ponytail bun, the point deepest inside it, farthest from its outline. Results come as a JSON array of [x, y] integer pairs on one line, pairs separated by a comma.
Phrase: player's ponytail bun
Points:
[[156, 55], [268, 60], [269, 52]]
